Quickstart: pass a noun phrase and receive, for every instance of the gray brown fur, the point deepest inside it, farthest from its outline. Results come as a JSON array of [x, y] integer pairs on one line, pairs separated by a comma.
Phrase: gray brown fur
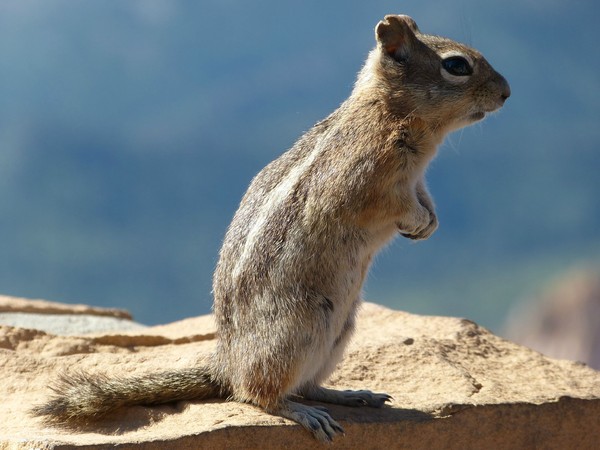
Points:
[[82, 397], [288, 282]]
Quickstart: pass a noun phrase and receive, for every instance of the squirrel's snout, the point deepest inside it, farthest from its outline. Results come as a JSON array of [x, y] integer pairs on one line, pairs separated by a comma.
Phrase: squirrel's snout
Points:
[[504, 89]]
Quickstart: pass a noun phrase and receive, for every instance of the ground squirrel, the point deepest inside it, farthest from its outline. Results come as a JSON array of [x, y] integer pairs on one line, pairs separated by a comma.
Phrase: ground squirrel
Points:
[[288, 282]]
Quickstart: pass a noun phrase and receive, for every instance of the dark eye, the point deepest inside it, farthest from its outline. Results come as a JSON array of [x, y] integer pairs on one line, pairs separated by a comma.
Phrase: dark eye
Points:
[[458, 66]]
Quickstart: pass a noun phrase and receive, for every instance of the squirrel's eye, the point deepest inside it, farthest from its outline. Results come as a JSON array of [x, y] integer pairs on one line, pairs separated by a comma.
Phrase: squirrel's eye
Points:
[[458, 66]]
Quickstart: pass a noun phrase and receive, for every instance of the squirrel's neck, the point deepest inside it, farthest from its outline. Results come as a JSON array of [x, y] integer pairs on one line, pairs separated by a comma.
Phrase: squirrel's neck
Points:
[[391, 104], [376, 112]]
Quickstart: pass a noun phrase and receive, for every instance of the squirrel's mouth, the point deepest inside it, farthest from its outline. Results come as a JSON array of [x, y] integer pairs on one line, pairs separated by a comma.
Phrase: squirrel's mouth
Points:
[[476, 116], [482, 111]]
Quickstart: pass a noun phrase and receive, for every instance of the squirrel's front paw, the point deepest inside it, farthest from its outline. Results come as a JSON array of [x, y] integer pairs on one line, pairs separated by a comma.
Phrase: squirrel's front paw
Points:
[[422, 230]]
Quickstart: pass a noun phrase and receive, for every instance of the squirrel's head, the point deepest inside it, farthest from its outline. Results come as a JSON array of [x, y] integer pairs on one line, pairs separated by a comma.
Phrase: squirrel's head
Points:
[[439, 80]]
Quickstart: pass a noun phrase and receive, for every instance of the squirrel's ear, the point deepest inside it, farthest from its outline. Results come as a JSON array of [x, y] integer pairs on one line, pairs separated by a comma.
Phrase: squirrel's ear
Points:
[[395, 35]]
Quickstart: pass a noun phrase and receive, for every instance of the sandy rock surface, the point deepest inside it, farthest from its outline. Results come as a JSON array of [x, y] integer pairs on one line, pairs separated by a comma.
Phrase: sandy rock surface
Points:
[[455, 385], [22, 305]]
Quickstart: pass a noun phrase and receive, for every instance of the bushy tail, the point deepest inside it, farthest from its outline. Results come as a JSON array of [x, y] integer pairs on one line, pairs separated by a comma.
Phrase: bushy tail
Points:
[[82, 397]]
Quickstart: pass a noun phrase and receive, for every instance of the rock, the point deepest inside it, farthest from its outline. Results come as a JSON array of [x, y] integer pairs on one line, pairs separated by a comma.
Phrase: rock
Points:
[[562, 322], [59, 318], [14, 304], [455, 386], [68, 324]]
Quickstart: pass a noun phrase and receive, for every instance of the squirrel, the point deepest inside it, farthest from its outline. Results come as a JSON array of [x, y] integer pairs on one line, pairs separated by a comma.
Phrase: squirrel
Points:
[[288, 282]]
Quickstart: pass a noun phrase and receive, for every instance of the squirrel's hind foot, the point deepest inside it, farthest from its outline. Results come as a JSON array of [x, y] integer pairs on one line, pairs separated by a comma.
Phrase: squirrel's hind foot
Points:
[[347, 398], [315, 419]]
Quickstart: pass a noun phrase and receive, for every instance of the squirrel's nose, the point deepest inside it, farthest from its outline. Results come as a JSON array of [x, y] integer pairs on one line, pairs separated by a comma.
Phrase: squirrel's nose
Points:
[[504, 88]]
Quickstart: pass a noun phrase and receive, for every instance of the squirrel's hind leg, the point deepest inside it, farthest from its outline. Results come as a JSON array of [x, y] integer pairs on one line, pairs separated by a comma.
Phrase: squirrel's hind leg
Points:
[[346, 398]]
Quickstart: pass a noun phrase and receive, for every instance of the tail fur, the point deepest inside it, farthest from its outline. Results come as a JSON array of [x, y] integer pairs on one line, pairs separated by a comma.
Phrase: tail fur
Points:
[[82, 397]]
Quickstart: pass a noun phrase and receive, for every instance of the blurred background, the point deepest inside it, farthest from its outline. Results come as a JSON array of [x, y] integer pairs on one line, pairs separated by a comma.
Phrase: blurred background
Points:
[[130, 130]]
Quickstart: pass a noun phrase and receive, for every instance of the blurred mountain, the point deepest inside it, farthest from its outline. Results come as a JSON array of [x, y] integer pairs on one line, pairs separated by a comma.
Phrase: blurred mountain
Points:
[[562, 320], [130, 130]]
